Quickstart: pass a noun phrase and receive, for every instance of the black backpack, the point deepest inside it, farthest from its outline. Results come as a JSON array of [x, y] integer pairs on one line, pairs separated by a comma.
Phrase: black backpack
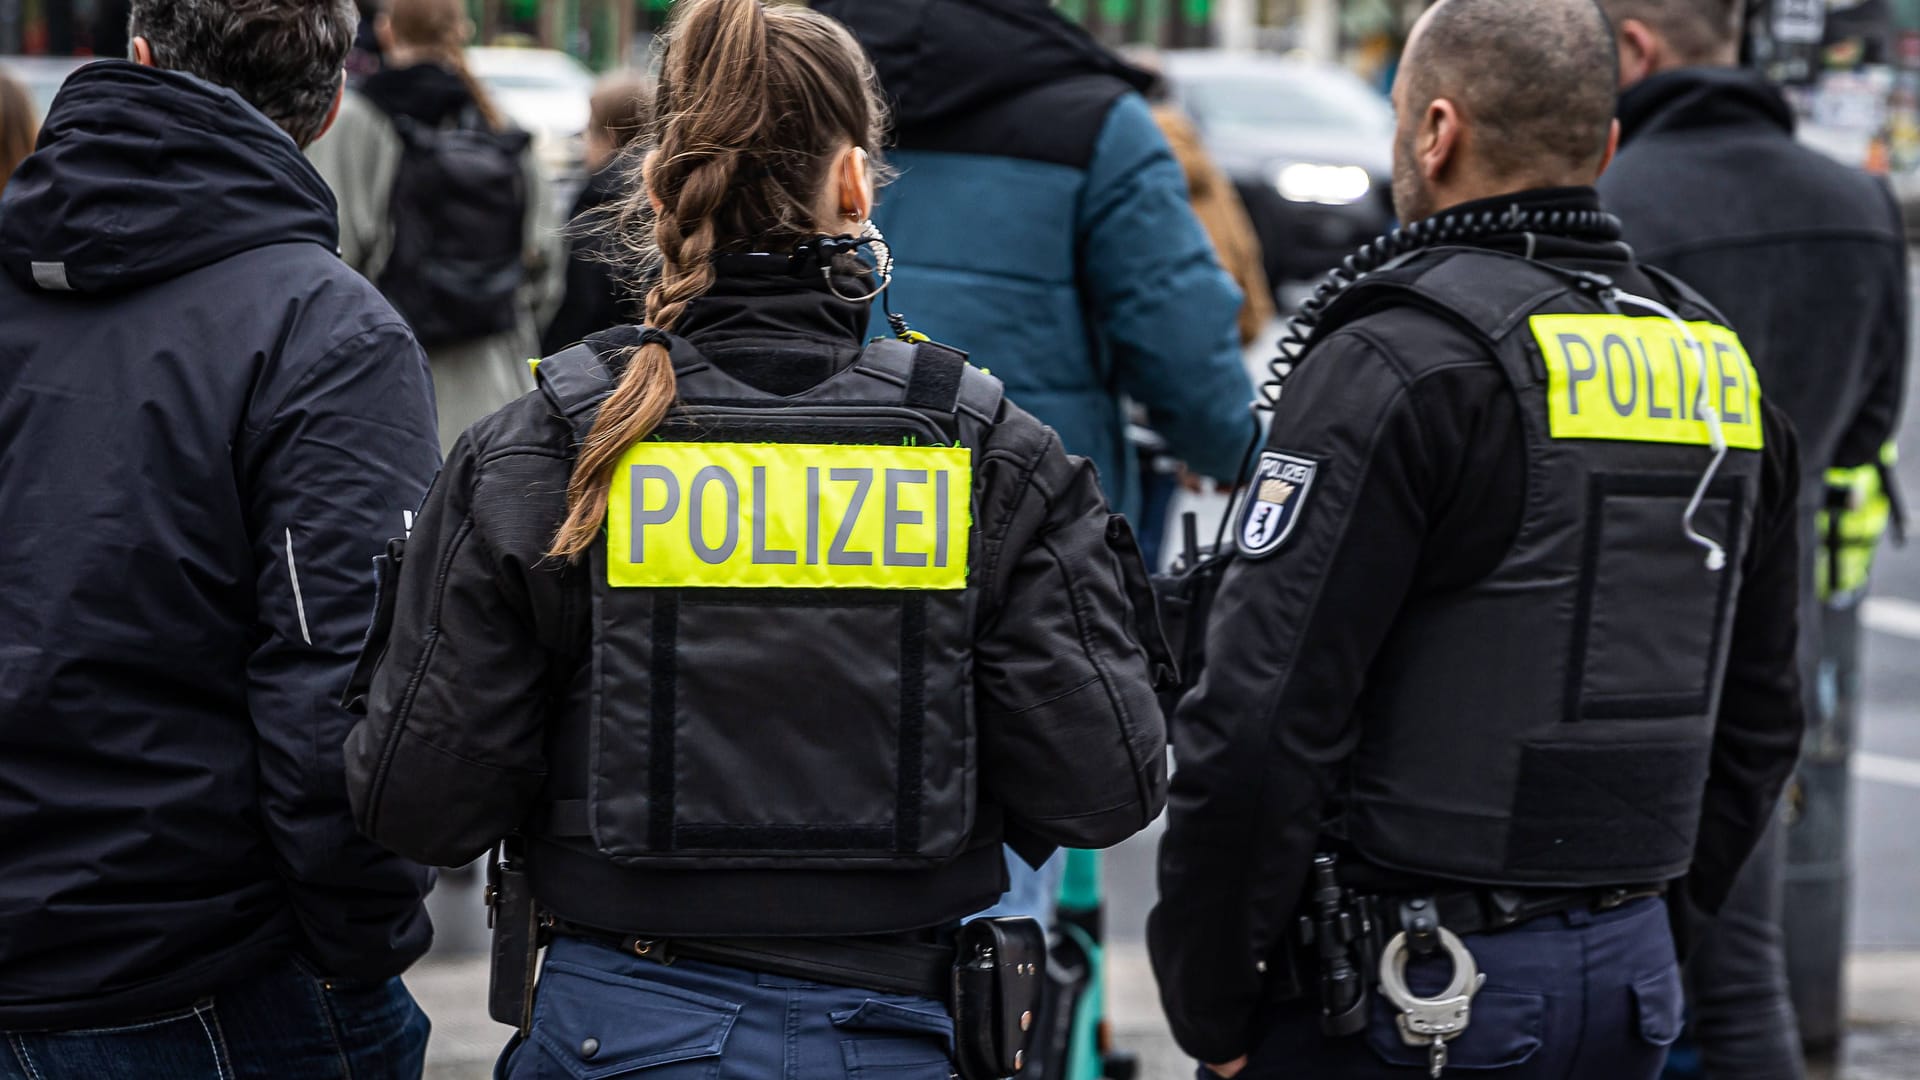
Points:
[[458, 208]]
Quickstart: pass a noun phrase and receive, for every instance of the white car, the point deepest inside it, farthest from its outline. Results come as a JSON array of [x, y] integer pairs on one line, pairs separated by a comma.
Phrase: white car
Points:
[[546, 92]]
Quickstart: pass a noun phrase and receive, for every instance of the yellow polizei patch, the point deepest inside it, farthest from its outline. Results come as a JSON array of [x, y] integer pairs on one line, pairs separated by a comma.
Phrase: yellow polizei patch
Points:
[[790, 516], [1640, 379]]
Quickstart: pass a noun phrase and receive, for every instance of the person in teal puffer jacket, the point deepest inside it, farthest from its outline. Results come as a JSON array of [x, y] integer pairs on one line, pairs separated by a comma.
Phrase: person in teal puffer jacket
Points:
[[1039, 218]]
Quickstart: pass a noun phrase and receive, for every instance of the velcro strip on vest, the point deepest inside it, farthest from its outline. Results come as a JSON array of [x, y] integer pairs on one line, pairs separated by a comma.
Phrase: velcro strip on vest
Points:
[[790, 516], [1595, 808], [1639, 379], [934, 384]]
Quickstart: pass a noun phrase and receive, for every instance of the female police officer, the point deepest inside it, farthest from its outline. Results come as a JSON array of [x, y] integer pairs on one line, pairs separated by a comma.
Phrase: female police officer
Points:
[[761, 643]]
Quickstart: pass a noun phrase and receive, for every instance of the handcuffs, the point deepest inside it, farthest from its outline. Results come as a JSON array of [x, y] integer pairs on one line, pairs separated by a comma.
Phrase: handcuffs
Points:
[[1431, 1022]]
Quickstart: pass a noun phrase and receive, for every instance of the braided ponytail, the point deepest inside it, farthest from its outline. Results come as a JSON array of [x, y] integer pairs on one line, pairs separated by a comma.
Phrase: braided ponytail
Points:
[[753, 103]]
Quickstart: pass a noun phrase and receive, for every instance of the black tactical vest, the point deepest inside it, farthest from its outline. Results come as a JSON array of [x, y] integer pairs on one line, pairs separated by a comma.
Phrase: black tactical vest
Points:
[[1551, 724], [780, 671]]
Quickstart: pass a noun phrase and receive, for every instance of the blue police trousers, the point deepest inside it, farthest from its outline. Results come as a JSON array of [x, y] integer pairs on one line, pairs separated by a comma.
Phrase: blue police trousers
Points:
[[601, 1013], [1579, 996]]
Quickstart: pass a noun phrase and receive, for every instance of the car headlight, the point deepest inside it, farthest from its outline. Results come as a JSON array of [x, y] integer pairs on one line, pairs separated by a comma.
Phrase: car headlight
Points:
[[1328, 185]]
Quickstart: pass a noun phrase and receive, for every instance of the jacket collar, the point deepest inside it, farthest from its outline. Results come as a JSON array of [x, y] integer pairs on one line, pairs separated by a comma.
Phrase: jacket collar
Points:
[[769, 321], [1702, 97], [143, 175], [1544, 244]]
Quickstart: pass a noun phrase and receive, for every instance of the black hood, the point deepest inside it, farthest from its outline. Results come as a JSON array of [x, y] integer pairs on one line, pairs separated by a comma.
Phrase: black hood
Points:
[[938, 58], [143, 175], [427, 93], [1702, 97]]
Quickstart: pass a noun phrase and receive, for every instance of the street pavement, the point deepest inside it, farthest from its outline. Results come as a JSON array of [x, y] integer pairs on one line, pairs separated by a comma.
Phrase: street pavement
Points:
[[1884, 971]]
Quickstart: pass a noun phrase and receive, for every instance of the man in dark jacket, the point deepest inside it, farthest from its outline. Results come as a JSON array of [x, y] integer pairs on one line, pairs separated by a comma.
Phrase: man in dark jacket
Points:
[[1470, 649], [1039, 218], [209, 427], [1808, 260]]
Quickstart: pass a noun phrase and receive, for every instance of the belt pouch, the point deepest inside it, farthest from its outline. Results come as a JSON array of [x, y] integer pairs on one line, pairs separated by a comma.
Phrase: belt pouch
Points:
[[996, 989]]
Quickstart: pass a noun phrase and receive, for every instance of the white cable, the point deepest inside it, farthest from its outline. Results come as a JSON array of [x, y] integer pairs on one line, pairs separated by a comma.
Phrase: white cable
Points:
[[1716, 434]]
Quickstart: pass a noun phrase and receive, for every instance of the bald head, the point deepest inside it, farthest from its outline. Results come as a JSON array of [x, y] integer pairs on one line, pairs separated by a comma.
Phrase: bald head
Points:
[[1660, 35], [1499, 96]]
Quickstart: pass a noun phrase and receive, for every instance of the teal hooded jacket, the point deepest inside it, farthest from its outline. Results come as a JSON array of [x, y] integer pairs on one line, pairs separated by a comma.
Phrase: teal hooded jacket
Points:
[[1039, 221]]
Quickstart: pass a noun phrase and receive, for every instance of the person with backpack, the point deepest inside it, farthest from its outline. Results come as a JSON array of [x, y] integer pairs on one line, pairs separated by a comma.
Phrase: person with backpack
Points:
[[443, 207]]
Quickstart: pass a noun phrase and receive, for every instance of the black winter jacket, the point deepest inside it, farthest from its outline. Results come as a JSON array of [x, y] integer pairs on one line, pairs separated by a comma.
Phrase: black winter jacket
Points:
[[491, 637], [208, 428], [595, 298]]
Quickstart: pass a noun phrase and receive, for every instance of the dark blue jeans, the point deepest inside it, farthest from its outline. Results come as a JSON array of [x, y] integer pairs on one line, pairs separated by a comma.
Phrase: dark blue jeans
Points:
[[1568, 997], [602, 1013], [287, 1024]]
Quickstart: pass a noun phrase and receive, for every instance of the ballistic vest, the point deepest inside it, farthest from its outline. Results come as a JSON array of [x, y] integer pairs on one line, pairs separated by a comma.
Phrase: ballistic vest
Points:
[[782, 629], [1552, 723]]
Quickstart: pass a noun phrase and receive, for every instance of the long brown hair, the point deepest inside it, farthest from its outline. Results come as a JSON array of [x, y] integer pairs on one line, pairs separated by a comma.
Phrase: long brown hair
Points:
[[753, 103], [18, 125], [438, 29]]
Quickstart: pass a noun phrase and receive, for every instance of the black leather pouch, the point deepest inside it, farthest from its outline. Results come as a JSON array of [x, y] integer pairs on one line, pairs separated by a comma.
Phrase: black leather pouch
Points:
[[515, 922], [997, 976]]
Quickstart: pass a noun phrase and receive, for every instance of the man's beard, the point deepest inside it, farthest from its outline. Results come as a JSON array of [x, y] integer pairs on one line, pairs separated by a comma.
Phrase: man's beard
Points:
[[1412, 200]]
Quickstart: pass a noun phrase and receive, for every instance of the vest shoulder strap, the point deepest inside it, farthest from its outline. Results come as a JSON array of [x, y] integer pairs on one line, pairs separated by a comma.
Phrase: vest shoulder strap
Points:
[[935, 378], [576, 381], [930, 377], [1488, 292]]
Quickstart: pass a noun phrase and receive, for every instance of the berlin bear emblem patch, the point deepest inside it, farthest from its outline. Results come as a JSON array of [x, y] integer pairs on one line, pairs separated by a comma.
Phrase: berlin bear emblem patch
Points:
[[1280, 487]]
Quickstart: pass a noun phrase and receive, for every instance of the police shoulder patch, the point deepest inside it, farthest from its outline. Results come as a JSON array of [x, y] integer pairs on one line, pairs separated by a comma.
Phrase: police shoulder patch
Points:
[[1272, 508]]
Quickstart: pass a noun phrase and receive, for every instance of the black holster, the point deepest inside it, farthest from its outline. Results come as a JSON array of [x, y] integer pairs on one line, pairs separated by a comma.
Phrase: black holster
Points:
[[1185, 595], [517, 929], [997, 977]]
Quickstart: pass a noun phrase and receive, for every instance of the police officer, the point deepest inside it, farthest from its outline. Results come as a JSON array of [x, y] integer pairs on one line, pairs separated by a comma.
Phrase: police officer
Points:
[[760, 643], [1712, 184], [1506, 651]]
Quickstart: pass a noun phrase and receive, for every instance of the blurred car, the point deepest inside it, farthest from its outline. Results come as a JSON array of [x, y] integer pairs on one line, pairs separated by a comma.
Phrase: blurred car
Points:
[[546, 92], [42, 76], [1308, 145]]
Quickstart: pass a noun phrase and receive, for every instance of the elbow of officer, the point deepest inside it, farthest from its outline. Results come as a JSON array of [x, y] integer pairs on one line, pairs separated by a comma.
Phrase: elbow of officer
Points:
[[1107, 811]]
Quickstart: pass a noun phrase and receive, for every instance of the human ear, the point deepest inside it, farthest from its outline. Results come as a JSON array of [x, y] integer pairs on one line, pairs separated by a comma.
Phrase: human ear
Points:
[[856, 184], [1640, 50], [646, 181], [1613, 147], [140, 51], [333, 111], [1439, 138]]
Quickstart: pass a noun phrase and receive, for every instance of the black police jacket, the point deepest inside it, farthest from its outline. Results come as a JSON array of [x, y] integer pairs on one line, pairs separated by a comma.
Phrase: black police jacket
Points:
[[1415, 497], [487, 666], [208, 428]]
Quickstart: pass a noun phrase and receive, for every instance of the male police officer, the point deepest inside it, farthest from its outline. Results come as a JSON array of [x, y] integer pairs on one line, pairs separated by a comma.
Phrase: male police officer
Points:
[[1510, 633]]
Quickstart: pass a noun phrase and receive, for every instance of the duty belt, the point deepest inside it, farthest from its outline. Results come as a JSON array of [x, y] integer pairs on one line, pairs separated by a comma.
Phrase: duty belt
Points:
[[1359, 927], [1349, 915], [894, 964], [1490, 910]]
